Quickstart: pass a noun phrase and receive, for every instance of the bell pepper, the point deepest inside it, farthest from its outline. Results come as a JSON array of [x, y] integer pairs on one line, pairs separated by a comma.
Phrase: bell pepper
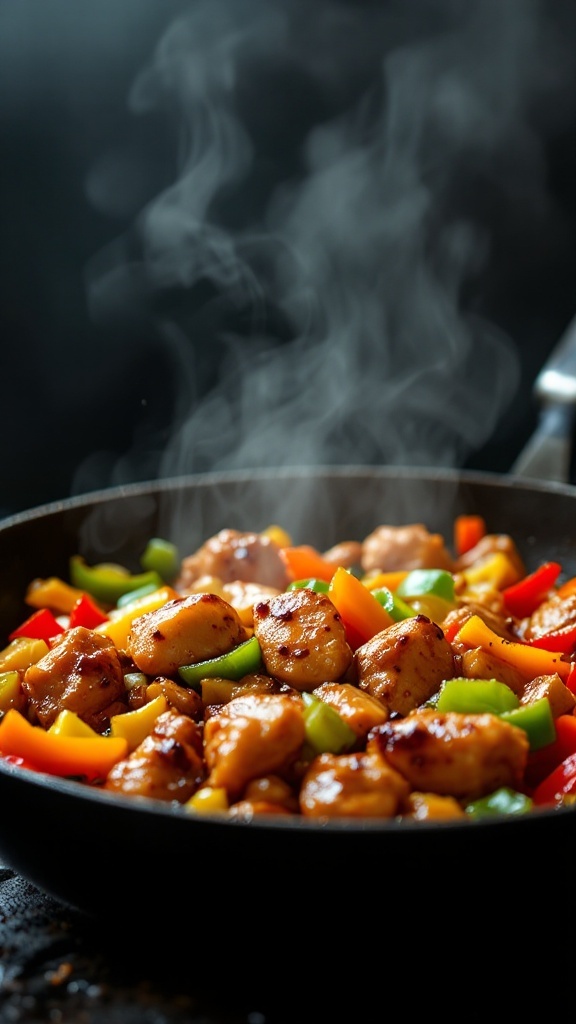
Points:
[[310, 583], [537, 721], [135, 725], [207, 800], [559, 784], [9, 689], [242, 660], [390, 579], [68, 723], [501, 801], [362, 614], [42, 625], [393, 604], [497, 570], [530, 661], [476, 696], [421, 582], [119, 622], [86, 613], [161, 556], [468, 531], [106, 582], [52, 593], [542, 761], [22, 652], [522, 598], [304, 561], [91, 758], [325, 729], [561, 640]]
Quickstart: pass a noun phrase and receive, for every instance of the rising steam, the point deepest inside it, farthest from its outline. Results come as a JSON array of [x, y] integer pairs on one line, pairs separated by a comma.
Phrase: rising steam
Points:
[[310, 270]]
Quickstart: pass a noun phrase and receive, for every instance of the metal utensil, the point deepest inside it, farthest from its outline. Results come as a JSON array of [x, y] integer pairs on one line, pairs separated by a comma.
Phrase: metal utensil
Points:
[[548, 453]]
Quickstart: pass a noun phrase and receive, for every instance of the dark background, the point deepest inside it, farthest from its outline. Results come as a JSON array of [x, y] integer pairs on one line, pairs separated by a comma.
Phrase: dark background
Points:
[[90, 373]]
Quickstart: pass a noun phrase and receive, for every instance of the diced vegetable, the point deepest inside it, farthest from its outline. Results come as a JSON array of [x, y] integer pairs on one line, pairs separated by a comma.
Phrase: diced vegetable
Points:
[[240, 661], [523, 597], [107, 581], [133, 726], [161, 556], [312, 583], [42, 625], [9, 689], [120, 620], [86, 613], [531, 661], [537, 721], [476, 696], [59, 755], [559, 784], [502, 801], [305, 562], [22, 652], [362, 614], [427, 581], [52, 593], [326, 730], [468, 531], [394, 605]]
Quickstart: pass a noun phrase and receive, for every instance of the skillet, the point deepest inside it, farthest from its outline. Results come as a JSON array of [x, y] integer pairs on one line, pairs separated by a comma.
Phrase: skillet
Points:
[[86, 847]]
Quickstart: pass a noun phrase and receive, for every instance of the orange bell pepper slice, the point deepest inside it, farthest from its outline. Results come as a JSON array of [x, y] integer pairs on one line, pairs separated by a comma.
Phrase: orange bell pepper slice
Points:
[[59, 755], [530, 661], [305, 562], [468, 531], [362, 614]]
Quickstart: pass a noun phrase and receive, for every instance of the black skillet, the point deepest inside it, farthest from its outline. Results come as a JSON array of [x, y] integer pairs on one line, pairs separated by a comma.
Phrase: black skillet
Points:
[[97, 851]]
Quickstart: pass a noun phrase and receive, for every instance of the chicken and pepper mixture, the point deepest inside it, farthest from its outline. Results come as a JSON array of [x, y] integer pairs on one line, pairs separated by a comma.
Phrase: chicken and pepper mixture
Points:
[[402, 676]]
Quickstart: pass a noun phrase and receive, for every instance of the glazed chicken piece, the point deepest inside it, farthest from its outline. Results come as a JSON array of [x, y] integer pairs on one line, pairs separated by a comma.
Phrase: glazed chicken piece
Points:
[[555, 613], [302, 638], [359, 709], [347, 553], [405, 664], [83, 673], [562, 700], [235, 555], [356, 785], [183, 632], [253, 735], [167, 765], [183, 699], [267, 795], [389, 548], [453, 754], [503, 625]]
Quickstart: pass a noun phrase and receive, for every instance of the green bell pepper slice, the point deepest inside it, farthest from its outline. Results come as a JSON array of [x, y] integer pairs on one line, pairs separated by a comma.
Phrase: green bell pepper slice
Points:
[[427, 581], [501, 801], [320, 586], [326, 730], [107, 582], [240, 661], [537, 721], [476, 696], [161, 556], [394, 605]]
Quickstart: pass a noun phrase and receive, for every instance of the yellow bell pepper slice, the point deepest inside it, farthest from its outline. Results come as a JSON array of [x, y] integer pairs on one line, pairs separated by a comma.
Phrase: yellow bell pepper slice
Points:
[[22, 652], [498, 569], [59, 755], [530, 661], [119, 622], [208, 799], [9, 689], [68, 723], [135, 725], [52, 593]]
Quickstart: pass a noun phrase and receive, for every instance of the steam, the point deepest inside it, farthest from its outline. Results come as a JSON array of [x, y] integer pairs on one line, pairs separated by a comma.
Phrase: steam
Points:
[[309, 269]]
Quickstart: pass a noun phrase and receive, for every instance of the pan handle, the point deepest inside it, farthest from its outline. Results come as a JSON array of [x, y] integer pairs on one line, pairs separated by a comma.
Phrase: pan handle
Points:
[[548, 453]]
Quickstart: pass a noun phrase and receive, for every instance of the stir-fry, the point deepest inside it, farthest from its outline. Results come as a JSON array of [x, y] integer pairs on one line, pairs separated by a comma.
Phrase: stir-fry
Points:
[[402, 676]]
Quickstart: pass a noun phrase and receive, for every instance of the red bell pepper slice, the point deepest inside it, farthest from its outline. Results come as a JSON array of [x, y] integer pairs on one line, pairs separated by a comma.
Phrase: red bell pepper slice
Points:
[[543, 761], [561, 640], [41, 625], [86, 613], [560, 783], [522, 598], [571, 678]]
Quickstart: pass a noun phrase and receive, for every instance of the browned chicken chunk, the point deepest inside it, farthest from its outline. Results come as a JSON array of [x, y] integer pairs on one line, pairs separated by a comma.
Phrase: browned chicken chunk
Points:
[[254, 735], [183, 632], [460, 755], [81, 673], [358, 708], [389, 548], [405, 664], [302, 638], [356, 785], [235, 555], [166, 766], [555, 613]]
